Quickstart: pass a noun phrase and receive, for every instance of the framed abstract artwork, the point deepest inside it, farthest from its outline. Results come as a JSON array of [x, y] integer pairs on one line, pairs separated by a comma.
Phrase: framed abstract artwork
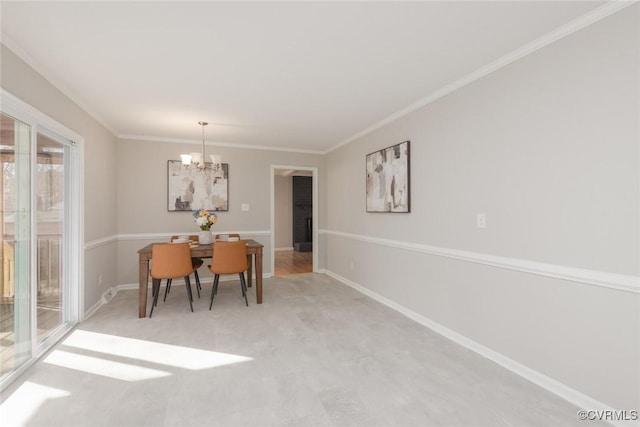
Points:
[[190, 188], [388, 179]]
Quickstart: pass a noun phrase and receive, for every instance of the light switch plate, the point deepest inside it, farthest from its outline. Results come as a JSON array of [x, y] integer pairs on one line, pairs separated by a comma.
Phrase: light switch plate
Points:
[[244, 207], [481, 220]]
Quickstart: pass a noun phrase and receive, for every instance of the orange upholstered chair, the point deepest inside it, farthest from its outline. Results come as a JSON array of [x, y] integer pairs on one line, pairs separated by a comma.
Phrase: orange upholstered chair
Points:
[[197, 263], [229, 258], [170, 261]]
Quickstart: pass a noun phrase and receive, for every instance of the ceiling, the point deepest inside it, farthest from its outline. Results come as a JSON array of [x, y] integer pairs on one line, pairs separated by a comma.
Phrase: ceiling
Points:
[[303, 76]]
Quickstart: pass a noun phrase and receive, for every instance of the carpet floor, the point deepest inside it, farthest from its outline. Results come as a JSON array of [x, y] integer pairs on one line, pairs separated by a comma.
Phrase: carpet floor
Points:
[[316, 353]]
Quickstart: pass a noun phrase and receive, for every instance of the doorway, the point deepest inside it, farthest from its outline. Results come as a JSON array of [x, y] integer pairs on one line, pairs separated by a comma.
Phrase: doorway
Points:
[[293, 217]]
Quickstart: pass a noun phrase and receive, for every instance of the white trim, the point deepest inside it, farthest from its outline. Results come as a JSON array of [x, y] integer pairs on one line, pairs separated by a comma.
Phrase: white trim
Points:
[[564, 31], [73, 267], [560, 33], [93, 309], [136, 286], [78, 198], [619, 282], [49, 76], [572, 395], [148, 138], [92, 244], [8, 100], [288, 248]]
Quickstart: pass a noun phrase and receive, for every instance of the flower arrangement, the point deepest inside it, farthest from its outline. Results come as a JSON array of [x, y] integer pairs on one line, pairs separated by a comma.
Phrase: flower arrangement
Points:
[[205, 219]]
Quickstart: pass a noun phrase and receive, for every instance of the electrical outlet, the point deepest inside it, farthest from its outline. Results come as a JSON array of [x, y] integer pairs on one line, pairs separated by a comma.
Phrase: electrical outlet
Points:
[[244, 207], [106, 297], [100, 280], [351, 265]]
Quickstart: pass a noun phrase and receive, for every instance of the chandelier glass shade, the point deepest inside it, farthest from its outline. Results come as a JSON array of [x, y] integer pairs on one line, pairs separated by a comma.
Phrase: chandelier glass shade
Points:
[[198, 159]]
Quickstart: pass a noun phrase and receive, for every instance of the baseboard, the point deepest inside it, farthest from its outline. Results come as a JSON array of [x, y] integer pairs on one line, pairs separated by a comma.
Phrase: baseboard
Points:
[[562, 390], [288, 248], [93, 309]]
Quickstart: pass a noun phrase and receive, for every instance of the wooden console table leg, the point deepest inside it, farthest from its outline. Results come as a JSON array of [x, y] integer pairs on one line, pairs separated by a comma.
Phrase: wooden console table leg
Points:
[[259, 276], [143, 279], [249, 269]]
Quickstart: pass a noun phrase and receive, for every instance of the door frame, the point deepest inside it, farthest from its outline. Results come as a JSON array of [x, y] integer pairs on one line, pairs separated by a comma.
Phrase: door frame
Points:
[[314, 224], [73, 308]]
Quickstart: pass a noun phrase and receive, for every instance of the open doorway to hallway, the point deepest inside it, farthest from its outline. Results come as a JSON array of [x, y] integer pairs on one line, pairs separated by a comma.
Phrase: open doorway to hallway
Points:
[[289, 261], [293, 226]]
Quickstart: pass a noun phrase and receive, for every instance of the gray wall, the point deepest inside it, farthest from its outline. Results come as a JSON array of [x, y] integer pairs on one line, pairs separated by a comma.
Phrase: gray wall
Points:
[[99, 160], [547, 148], [142, 196]]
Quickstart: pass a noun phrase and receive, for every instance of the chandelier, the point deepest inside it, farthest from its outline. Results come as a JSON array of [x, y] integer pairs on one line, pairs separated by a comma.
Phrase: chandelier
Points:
[[198, 159]]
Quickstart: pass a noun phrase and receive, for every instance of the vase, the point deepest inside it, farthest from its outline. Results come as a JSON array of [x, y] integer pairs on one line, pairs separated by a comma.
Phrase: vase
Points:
[[205, 237]]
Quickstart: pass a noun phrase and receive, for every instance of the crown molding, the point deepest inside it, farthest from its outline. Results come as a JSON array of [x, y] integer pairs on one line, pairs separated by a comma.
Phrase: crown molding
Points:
[[537, 44], [563, 31], [49, 76], [148, 138], [27, 112]]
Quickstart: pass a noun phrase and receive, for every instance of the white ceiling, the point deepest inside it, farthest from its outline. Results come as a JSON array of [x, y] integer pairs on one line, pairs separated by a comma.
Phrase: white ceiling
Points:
[[296, 75]]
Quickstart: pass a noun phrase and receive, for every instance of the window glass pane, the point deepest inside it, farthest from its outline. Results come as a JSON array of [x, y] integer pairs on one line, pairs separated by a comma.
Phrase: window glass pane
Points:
[[50, 203], [15, 343]]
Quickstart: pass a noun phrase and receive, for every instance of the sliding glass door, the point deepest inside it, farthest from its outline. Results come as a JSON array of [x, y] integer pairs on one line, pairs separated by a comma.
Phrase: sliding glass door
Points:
[[39, 287], [15, 307], [50, 229]]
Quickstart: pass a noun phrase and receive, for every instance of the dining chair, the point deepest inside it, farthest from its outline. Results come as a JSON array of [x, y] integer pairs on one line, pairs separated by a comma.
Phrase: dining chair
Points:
[[233, 235], [197, 263], [229, 258], [227, 237], [170, 261]]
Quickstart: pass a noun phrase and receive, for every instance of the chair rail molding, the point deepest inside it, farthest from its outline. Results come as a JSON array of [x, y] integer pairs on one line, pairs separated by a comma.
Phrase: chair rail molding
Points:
[[92, 244], [620, 282]]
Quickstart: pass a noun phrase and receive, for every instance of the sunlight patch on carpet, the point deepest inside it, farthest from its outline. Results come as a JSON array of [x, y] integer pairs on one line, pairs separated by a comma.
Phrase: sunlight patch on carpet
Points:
[[150, 351]]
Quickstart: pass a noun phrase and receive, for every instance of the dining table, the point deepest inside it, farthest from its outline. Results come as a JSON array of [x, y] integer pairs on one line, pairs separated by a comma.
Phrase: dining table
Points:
[[254, 253]]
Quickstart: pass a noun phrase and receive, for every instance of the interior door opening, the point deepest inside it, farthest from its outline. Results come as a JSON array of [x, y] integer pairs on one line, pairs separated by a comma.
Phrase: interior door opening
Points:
[[293, 220]]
